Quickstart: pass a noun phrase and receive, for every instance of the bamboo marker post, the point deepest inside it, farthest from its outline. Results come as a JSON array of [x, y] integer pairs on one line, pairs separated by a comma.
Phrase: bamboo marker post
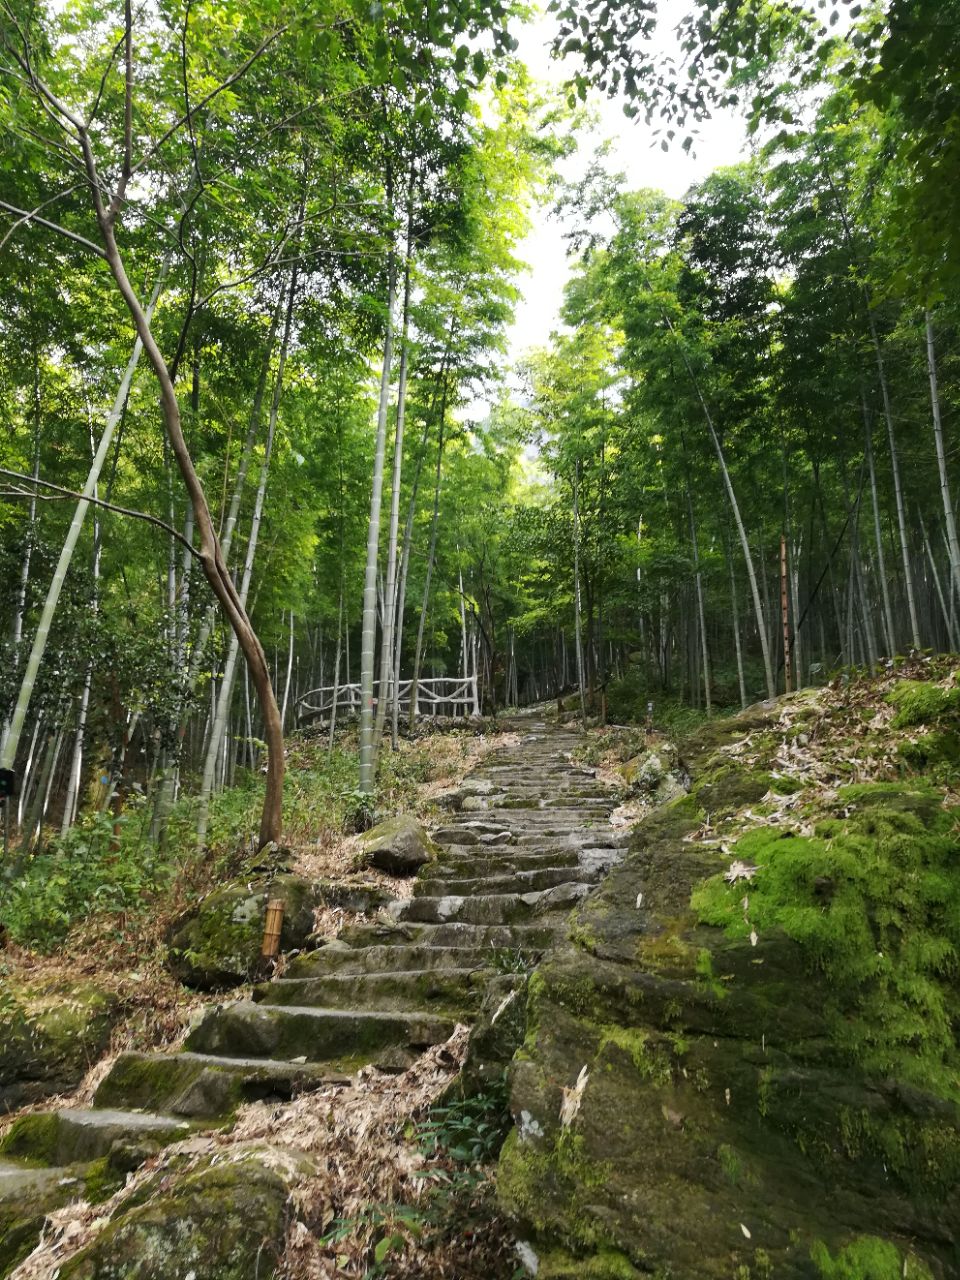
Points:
[[271, 929], [785, 613]]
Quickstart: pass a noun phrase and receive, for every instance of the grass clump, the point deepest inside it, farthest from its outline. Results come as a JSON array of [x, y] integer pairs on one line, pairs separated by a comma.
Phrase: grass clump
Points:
[[873, 900]]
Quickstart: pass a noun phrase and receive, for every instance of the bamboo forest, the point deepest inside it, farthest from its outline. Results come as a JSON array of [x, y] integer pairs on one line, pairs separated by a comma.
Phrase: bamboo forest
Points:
[[479, 617]]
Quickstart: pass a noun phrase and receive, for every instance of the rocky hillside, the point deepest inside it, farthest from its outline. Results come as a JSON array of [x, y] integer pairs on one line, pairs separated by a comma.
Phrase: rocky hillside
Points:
[[743, 1061]]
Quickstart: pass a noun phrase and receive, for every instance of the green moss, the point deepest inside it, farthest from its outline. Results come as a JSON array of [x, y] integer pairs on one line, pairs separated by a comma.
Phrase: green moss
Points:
[[101, 1180], [726, 785], [149, 1082], [606, 1264], [652, 1061], [705, 974], [873, 900], [33, 1138], [731, 1162], [543, 1183], [921, 702], [931, 751], [867, 1258], [666, 950]]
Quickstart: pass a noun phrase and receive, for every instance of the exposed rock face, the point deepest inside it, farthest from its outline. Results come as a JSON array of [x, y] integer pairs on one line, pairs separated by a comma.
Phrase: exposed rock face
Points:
[[694, 1098], [224, 1221], [217, 945], [49, 1037], [400, 846]]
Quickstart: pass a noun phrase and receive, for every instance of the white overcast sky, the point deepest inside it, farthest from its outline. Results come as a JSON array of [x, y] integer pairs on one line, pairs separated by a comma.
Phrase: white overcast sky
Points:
[[721, 141]]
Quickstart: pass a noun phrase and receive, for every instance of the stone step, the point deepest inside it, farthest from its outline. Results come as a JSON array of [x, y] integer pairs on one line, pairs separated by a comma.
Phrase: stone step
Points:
[[457, 991], [248, 1030], [537, 802], [493, 908], [502, 862], [203, 1085], [532, 938], [470, 879], [336, 958], [72, 1136]]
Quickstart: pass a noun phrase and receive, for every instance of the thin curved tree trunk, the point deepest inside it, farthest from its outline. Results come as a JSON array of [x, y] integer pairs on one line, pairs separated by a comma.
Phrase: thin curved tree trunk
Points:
[[701, 615], [225, 696]]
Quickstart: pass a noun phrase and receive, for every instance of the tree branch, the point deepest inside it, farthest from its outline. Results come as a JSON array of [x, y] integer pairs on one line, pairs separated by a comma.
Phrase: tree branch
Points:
[[26, 216], [97, 502]]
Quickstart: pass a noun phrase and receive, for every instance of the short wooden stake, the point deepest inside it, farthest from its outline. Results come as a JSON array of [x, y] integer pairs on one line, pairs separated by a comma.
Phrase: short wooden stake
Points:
[[271, 929]]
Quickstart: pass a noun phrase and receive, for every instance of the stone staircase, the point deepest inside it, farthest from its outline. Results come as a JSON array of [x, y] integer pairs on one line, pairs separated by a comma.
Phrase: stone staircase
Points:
[[527, 837]]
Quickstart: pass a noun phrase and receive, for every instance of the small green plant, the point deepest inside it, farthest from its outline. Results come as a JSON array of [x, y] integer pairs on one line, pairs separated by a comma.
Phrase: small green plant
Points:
[[510, 960], [470, 1130], [360, 810], [389, 1229]]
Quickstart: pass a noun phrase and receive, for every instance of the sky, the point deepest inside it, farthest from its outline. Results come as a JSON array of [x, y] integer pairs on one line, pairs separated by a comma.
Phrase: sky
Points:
[[721, 141]]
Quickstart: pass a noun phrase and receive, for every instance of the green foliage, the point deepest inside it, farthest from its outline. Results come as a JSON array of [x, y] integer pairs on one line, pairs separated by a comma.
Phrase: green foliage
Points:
[[873, 900], [469, 1130], [89, 871]]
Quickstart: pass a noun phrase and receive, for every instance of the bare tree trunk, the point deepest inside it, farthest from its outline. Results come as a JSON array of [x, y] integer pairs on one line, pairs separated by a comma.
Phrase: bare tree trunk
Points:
[[735, 612], [698, 579], [289, 676], [734, 507], [897, 486], [368, 634], [407, 545], [578, 639], [948, 514], [431, 554], [273, 720], [390, 596], [889, 629]]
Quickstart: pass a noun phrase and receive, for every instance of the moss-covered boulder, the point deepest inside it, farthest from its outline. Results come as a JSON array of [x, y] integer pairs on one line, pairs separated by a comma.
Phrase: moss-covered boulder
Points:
[[217, 945], [50, 1035], [743, 1063], [226, 1220], [400, 846]]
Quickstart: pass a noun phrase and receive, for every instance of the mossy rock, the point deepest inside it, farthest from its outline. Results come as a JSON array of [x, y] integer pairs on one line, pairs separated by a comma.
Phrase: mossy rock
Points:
[[400, 846], [868, 1258], [50, 1035], [770, 1061], [497, 1033], [923, 702], [26, 1197], [217, 945], [224, 1221]]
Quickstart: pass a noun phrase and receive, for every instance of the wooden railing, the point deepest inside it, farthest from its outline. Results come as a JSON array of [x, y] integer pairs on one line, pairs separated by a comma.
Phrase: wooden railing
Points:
[[439, 696]]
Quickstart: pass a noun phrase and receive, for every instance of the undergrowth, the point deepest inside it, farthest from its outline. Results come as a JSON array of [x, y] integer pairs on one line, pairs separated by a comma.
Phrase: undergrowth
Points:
[[454, 1206], [112, 867]]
